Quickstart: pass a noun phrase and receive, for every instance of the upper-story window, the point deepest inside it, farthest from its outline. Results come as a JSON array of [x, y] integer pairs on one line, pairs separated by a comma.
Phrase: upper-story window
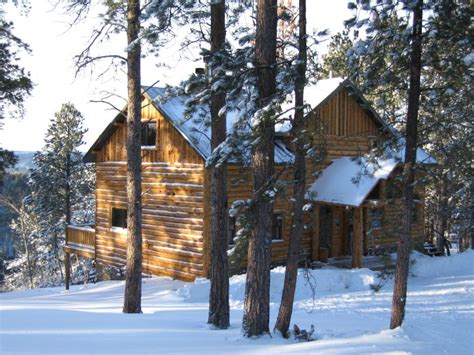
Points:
[[277, 227], [148, 134]]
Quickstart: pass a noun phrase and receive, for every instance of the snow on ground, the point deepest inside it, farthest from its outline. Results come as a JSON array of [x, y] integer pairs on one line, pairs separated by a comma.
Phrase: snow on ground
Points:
[[348, 315]]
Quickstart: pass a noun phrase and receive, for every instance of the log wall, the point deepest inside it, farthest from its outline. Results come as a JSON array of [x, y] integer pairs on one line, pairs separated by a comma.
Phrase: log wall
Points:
[[172, 217]]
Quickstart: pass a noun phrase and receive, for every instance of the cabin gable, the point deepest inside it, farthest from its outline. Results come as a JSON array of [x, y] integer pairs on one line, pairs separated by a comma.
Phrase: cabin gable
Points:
[[171, 146], [342, 115]]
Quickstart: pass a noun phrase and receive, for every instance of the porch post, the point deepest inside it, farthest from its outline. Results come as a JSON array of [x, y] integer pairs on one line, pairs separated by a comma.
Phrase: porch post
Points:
[[67, 267], [315, 236], [357, 238]]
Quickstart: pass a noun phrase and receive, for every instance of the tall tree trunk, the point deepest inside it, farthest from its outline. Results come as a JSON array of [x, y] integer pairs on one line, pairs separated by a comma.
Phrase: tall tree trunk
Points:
[[442, 215], [219, 293], [403, 252], [257, 287], [294, 246], [133, 279], [68, 189], [470, 231]]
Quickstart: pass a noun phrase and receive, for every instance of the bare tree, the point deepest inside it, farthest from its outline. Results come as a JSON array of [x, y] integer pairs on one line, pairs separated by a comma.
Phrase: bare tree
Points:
[[403, 252], [257, 288], [219, 293], [294, 246]]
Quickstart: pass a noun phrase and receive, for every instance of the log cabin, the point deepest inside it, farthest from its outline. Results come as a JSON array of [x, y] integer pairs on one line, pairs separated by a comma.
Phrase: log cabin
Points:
[[348, 212]]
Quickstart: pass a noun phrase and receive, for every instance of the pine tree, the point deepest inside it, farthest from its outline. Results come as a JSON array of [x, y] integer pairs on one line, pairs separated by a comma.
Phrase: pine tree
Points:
[[299, 188], [157, 19], [403, 251], [334, 62], [219, 293], [257, 287], [61, 183], [15, 82], [133, 280]]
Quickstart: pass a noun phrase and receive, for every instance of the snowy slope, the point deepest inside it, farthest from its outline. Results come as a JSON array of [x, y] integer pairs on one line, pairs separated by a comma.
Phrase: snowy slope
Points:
[[348, 316]]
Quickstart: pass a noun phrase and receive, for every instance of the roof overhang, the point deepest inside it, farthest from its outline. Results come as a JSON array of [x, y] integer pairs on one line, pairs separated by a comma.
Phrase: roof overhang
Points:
[[348, 181]]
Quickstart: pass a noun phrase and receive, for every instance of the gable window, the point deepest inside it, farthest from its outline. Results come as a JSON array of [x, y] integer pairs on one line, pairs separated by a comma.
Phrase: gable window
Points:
[[376, 218], [148, 134], [277, 227], [119, 217]]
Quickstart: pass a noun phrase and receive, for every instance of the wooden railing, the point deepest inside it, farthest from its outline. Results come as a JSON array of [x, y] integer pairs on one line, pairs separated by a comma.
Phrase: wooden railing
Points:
[[80, 240], [81, 235]]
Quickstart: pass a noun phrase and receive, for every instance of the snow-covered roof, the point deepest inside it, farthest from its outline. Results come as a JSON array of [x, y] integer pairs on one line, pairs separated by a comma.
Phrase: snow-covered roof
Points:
[[196, 131], [348, 181]]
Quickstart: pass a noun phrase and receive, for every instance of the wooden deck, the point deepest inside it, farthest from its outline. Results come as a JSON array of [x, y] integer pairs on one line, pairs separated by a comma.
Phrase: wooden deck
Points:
[[80, 240]]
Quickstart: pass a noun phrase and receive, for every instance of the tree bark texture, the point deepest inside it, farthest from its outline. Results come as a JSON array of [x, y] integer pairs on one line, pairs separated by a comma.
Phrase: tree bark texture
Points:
[[219, 292], [294, 244], [257, 288], [357, 238], [133, 279], [442, 215], [68, 189], [67, 269], [403, 252]]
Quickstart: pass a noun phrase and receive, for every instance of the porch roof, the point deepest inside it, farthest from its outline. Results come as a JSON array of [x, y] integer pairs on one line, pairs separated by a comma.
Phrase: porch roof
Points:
[[348, 181]]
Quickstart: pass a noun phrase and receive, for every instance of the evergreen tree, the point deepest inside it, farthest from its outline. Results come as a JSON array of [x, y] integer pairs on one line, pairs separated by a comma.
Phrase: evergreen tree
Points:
[[15, 82], [257, 288], [411, 135], [133, 279], [219, 293], [61, 183], [299, 188], [334, 62]]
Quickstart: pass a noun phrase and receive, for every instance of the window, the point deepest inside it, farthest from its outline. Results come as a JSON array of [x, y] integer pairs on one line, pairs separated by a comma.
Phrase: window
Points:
[[232, 230], [119, 217], [375, 218], [148, 134], [277, 228]]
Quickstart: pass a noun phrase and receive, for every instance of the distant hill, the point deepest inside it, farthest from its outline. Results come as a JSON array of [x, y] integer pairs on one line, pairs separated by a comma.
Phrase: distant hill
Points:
[[25, 162]]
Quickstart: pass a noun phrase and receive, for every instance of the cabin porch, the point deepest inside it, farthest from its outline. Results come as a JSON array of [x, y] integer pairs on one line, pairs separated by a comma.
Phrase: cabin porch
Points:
[[80, 240], [339, 233]]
